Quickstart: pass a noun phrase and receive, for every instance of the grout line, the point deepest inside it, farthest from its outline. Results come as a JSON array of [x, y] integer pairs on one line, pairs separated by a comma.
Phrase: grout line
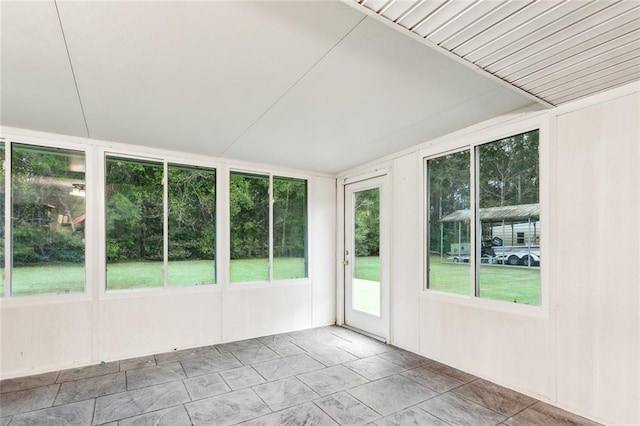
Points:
[[286, 92], [56, 397], [93, 411], [73, 73]]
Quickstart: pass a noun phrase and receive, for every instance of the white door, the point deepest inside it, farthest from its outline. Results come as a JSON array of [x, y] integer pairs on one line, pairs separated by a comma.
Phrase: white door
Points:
[[366, 257]]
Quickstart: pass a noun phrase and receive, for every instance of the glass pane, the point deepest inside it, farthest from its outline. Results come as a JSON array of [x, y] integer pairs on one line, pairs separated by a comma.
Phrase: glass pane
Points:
[[366, 246], [449, 234], [249, 212], [509, 218], [48, 214], [134, 228], [289, 228], [192, 218]]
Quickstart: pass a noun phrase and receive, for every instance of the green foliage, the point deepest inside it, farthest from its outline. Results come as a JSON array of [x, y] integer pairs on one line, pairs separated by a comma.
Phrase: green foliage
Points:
[[508, 175], [249, 208], [134, 208], [449, 190], [43, 209], [135, 211], [192, 213], [367, 223], [509, 171], [289, 217]]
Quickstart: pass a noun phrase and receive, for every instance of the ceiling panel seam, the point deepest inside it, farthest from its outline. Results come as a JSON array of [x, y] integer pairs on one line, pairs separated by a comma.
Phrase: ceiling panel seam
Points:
[[73, 74], [295, 83]]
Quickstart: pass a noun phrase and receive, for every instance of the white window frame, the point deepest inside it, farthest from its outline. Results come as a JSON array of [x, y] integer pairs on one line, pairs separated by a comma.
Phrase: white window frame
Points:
[[270, 280], [165, 160], [471, 140], [90, 222]]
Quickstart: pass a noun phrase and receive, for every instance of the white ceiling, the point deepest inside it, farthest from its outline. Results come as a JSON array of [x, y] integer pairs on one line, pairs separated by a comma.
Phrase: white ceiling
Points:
[[311, 85], [556, 50]]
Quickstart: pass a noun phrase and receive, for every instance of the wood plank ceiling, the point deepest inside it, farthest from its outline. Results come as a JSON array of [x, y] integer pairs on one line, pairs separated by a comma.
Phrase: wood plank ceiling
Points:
[[556, 50]]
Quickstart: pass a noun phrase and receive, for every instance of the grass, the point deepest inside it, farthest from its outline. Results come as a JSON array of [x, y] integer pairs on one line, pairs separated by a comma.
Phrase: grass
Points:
[[496, 282], [513, 284], [69, 278]]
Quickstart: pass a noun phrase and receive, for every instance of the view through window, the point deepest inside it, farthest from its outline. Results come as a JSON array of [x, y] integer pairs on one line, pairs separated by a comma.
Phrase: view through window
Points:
[[251, 227], [507, 212], [135, 224], [47, 220]]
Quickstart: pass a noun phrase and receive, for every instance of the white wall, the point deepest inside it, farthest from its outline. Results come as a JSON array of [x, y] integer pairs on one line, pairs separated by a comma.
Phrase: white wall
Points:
[[45, 333], [581, 349]]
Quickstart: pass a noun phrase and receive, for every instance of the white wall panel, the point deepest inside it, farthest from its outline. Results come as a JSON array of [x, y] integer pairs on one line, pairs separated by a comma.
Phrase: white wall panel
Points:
[[322, 249], [405, 253], [41, 337], [144, 325], [506, 348], [598, 312], [259, 310]]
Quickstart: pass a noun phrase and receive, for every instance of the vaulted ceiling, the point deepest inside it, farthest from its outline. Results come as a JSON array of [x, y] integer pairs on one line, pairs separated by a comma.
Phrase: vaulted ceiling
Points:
[[321, 86]]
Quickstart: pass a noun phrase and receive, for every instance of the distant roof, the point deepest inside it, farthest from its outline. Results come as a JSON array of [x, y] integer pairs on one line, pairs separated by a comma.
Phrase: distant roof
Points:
[[517, 212]]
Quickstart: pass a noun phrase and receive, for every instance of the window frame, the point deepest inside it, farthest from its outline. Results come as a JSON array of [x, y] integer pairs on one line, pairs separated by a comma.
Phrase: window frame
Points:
[[90, 263], [156, 156], [270, 280], [471, 139]]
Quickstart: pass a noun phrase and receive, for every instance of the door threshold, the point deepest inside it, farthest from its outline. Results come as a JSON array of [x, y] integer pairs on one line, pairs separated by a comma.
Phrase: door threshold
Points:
[[364, 333]]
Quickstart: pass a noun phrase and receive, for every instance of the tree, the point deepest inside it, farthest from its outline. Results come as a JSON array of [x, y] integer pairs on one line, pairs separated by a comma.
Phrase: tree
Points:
[[509, 171], [367, 223]]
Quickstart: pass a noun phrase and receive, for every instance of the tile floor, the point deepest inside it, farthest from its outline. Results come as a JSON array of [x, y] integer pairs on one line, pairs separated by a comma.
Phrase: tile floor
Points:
[[322, 376]]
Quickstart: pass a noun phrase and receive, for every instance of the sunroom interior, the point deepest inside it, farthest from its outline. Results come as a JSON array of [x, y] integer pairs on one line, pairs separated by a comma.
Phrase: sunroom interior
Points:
[[457, 179]]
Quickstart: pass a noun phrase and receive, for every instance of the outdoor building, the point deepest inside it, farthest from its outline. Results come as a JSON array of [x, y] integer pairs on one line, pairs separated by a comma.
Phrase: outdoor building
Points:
[[320, 212]]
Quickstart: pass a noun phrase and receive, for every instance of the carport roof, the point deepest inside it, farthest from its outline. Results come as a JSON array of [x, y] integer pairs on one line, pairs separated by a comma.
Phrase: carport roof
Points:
[[489, 214]]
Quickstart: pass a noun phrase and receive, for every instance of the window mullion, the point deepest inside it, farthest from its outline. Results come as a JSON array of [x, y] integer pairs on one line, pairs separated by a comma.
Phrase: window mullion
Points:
[[8, 231], [165, 224], [271, 201], [473, 222]]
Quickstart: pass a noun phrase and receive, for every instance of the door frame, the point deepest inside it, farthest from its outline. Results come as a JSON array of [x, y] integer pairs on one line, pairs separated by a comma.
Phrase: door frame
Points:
[[385, 245]]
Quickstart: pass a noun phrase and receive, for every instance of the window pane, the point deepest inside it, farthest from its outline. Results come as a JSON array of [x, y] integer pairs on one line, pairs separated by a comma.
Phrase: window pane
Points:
[[366, 248], [289, 228], [134, 228], [449, 236], [192, 215], [48, 213], [249, 212], [509, 218]]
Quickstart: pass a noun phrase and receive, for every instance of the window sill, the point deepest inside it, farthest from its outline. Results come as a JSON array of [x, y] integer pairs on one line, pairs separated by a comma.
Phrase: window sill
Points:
[[498, 306], [267, 284]]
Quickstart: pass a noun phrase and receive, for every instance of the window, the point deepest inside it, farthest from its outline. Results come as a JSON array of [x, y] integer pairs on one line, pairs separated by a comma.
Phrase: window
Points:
[[256, 238], [508, 205], [449, 230], [47, 220], [192, 230], [506, 211], [289, 228], [148, 245]]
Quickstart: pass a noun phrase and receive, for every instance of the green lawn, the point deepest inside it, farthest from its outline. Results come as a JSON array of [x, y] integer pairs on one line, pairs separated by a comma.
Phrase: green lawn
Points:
[[496, 281], [513, 284], [69, 278]]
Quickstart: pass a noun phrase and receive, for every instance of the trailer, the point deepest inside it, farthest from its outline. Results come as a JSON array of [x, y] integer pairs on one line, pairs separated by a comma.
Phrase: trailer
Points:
[[510, 235]]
